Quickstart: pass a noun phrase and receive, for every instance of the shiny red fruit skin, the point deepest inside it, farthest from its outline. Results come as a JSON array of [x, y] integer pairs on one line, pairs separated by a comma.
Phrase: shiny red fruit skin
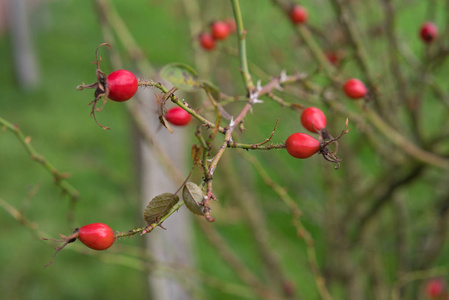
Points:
[[122, 85], [313, 119], [428, 32], [97, 236], [301, 145], [355, 89], [435, 288], [207, 42], [298, 14], [177, 116], [219, 30]]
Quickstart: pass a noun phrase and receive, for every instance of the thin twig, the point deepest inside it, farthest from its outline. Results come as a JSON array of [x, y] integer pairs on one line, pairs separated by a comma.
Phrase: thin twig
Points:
[[302, 232], [59, 178]]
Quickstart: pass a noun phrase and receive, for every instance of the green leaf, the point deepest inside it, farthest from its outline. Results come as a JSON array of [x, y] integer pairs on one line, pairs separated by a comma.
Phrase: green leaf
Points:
[[181, 76], [192, 196], [212, 89], [159, 206]]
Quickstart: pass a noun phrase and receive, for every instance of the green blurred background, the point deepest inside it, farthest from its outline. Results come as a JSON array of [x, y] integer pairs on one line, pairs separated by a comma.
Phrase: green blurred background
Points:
[[101, 163]]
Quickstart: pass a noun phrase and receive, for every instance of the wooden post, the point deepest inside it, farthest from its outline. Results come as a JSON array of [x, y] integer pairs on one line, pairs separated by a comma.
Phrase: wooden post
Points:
[[172, 246], [22, 46]]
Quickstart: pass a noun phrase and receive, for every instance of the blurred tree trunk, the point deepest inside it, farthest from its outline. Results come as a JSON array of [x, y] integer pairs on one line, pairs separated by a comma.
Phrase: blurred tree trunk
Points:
[[171, 246], [25, 64]]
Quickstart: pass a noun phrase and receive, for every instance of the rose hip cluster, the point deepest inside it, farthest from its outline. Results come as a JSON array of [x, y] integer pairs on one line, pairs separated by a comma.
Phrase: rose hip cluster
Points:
[[301, 145], [218, 31], [120, 86]]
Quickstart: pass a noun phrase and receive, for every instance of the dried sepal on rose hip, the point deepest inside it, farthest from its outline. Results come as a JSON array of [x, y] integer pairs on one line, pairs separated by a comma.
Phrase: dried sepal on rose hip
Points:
[[97, 236], [301, 145], [120, 85]]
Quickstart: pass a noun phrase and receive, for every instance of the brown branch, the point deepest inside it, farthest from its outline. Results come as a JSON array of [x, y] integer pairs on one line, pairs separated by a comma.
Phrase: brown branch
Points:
[[277, 279], [432, 243], [301, 231], [59, 178], [233, 261], [384, 198]]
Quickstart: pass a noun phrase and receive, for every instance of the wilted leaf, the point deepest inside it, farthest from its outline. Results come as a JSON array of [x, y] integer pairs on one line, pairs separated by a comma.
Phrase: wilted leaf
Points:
[[159, 206], [165, 123], [192, 196], [181, 76]]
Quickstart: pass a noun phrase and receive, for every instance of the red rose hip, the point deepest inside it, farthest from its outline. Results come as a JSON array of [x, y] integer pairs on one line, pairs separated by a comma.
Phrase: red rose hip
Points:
[[122, 85], [178, 116], [355, 89], [219, 30], [207, 42], [301, 145], [435, 288], [97, 236], [298, 14], [313, 119], [428, 32]]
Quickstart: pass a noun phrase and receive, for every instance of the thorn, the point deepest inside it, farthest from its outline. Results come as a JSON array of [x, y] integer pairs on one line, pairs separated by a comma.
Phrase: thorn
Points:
[[255, 94], [283, 76], [259, 85], [232, 124]]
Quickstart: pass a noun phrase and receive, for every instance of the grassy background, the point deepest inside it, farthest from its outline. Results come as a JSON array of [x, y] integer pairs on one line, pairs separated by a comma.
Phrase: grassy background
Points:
[[56, 116]]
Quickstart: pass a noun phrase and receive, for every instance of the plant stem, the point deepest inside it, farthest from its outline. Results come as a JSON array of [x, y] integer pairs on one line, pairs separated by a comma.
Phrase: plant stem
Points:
[[256, 147], [241, 34], [148, 229], [408, 147], [301, 231], [58, 176], [181, 104]]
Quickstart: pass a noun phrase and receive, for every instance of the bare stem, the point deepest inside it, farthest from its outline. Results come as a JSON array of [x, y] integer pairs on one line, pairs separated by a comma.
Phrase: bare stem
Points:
[[59, 178], [241, 34], [302, 232], [148, 229]]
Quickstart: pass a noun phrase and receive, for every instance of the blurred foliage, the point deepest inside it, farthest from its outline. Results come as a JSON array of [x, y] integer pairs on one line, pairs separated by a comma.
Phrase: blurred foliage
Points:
[[101, 163]]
